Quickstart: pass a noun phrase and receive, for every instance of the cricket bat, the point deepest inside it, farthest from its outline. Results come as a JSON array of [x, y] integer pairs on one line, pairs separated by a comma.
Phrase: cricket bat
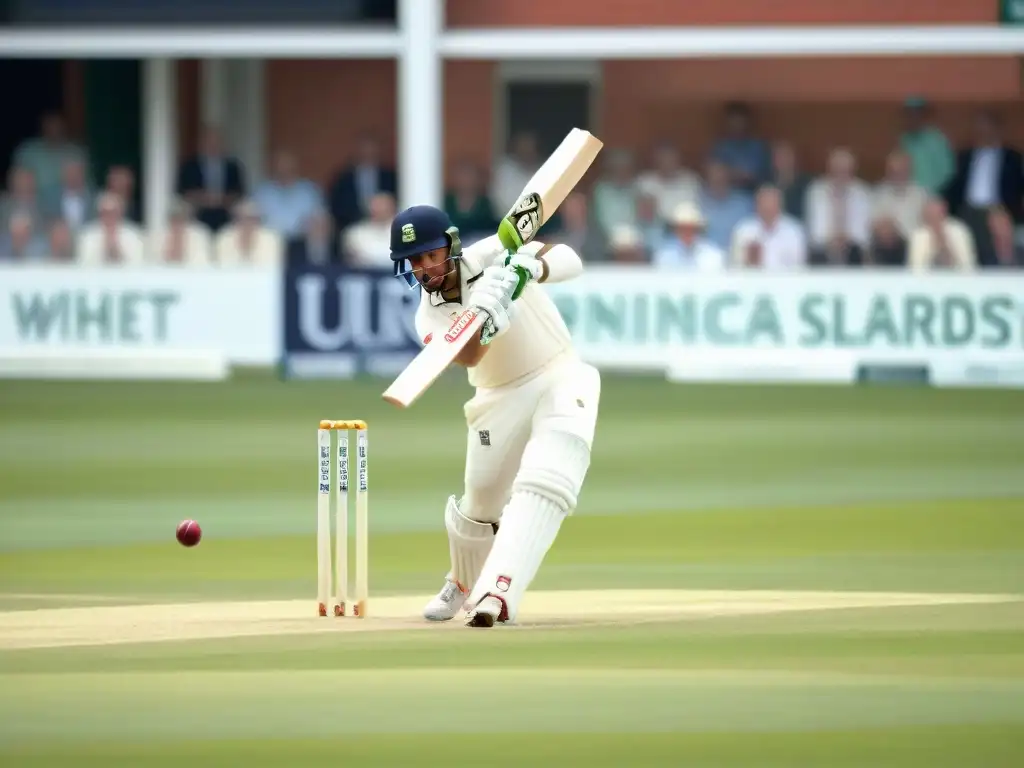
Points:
[[545, 191]]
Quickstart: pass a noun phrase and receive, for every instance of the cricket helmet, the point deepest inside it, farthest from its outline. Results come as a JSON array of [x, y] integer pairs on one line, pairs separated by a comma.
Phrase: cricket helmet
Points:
[[419, 229]]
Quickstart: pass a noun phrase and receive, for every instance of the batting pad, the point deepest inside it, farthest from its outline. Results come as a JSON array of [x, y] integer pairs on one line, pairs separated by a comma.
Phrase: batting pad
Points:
[[554, 466], [528, 529], [469, 543]]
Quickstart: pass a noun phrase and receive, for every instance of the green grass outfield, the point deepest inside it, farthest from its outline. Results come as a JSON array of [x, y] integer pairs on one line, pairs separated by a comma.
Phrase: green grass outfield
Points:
[[710, 489]]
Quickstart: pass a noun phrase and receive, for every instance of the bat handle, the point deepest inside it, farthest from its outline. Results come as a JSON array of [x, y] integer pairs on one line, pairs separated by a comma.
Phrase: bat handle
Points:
[[524, 278], [509, 236], [512, 240]]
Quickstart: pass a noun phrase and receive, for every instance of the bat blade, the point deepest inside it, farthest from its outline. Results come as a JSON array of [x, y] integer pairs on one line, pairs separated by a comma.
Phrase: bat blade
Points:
[[433, 360], [548, 188], [539, 200]]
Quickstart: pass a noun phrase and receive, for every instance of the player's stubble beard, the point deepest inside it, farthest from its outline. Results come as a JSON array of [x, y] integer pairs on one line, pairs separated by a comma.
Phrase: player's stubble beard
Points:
[[448, 287]]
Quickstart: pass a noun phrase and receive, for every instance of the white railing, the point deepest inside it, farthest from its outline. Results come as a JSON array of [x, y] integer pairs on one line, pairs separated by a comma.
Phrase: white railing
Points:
[[529, 43]]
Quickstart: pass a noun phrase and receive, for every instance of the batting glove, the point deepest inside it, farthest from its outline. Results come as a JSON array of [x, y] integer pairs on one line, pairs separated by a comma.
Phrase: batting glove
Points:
[[533, 266], [492, 295]]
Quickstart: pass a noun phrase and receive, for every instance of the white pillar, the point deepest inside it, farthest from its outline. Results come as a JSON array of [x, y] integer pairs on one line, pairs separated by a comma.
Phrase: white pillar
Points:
[[420, 104], [250, 121], [213, 92], [232, 98], [159, 140]]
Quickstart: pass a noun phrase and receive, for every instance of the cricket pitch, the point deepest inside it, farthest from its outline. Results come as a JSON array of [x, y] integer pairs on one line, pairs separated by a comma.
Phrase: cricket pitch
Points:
[[122, 624]]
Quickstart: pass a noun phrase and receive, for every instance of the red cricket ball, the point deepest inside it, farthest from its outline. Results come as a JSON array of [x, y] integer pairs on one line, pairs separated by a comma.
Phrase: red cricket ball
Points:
[[189, 533]]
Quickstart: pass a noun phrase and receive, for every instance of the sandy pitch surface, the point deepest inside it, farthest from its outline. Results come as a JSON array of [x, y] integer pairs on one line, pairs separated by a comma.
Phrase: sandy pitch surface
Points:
[[111, 625]]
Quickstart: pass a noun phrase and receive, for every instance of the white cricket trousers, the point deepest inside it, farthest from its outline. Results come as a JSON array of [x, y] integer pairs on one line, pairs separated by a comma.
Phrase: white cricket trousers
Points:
[[501, 421]]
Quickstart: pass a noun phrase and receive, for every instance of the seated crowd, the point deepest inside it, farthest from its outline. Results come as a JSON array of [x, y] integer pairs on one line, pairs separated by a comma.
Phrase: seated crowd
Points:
[[751, 207]]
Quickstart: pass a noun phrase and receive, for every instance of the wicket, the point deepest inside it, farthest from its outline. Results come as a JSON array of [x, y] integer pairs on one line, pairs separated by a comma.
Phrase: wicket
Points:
[[340, 598]]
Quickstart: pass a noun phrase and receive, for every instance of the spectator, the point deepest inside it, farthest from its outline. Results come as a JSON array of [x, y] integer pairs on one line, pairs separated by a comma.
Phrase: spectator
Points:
[[368, 243], [45, 157], [183, 240], [941, 241], [669, 182], [317, 245], [888, 247], [121, 181], [353, 188], [61, 242], [468, 206], [989, 173], [791, 182], [723, 206], [615, 194], [771, 239], [1007, 251], [20, 243], [75, 202], [212, 181], [580, 231], [931, 158], [110, 239], [686, 247], [286, 200], [897, 197], [746, 156], [649, 223], [246, 241], [626, 245], [20, 197], [514, 170], [839, 213]]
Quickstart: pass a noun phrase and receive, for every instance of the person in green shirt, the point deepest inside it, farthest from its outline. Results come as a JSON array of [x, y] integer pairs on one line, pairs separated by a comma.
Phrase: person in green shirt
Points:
[[46, 155], [931, 156]]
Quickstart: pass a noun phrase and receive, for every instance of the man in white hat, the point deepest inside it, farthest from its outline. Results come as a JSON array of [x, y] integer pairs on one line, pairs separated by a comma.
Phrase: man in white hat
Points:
[[686, 245]]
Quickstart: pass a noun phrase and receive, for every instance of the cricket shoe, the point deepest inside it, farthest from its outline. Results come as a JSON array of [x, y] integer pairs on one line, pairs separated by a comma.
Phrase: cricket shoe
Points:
[[447, 603], [488, 612]]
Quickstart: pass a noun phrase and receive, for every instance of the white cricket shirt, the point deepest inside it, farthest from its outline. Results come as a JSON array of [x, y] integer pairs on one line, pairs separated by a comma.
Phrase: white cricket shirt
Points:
[[783, 246], [536, 338]]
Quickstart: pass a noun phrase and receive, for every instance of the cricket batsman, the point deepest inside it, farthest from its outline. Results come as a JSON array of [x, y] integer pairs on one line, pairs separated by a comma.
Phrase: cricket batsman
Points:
[[531, 421]]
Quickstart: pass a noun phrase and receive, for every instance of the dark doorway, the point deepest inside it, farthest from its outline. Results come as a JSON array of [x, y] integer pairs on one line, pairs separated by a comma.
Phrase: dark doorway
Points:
[[547, 109], [34, 87]]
